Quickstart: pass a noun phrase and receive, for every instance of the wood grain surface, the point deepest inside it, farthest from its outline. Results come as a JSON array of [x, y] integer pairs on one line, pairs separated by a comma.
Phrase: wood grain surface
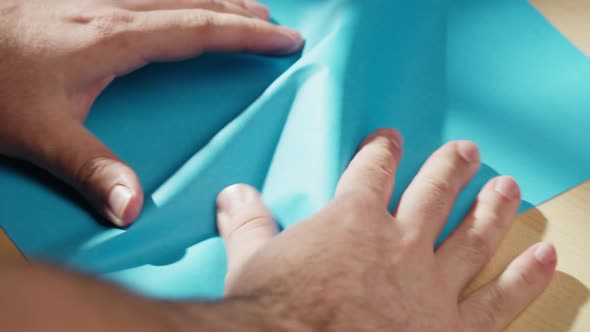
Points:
[[571, 17], [564, 221]]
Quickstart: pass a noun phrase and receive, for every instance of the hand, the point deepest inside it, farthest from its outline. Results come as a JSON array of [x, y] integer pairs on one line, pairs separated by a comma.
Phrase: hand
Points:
[[58, 56], [355, 267], [351, 267]]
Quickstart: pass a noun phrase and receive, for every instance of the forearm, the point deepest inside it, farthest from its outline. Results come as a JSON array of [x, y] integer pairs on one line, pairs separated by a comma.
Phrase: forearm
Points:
[[41, 298]]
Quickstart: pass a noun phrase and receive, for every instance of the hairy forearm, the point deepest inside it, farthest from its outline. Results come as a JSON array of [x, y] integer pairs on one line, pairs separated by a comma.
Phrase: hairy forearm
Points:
[[42, 298]]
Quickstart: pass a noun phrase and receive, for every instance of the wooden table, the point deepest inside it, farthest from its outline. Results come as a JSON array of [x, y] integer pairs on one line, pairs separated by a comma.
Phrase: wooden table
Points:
[[571, 17], [8, 250], [564, 221]]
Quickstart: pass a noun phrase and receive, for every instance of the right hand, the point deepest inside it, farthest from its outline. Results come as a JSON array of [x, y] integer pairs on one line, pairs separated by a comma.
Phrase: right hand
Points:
[[355, 267]]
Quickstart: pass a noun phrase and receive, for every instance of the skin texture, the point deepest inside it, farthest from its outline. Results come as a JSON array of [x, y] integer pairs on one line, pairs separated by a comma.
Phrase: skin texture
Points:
[[353, 266], [58, 56]]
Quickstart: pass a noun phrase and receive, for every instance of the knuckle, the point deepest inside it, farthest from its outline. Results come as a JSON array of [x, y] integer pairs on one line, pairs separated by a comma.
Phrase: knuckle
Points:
[[89, 170], [411, 241], [360, 205], [486, 317], [487, 210], [215, 4], [475, 249], [524, 278], [106, 24], [355, 207], [491, 214], [490, 307], [438, 185], [247, 225], [202, 20], [495, 303], [241, 3], [256, 28]]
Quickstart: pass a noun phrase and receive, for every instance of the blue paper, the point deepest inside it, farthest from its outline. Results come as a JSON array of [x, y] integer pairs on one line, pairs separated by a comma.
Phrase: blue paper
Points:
[[494, 72]]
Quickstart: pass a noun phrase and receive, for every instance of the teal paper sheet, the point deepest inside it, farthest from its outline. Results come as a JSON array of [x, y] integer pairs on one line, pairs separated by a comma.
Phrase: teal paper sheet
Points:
[[495, 72]]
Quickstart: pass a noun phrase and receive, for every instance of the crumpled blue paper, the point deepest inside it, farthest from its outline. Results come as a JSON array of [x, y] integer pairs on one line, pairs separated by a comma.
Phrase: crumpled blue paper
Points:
[[494, 72]]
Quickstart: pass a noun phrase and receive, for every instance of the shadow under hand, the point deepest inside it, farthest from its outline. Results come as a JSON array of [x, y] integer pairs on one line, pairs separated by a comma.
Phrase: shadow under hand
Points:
[[557, 308], [164, 114]]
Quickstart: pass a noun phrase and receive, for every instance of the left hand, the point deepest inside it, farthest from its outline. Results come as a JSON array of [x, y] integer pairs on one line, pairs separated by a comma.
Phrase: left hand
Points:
[[57, 56]]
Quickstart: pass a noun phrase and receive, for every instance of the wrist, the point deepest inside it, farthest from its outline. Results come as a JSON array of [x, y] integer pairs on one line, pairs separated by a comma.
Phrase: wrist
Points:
[[243, 314]]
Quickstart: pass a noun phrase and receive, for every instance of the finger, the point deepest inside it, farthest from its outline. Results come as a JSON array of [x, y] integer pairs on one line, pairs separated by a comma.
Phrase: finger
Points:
[[243, 8], [471, 246], [371, 173], [245, 224], [426, 204], [71, 152], [495, 305], [255, 7], [178, 34]]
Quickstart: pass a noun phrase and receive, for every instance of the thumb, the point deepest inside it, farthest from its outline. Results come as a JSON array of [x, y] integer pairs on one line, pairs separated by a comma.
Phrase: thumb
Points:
[[246, 225], [72, 153]]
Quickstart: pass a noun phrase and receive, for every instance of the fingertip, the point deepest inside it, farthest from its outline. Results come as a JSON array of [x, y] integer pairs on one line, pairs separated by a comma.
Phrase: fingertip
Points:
[[545, 254], [507, 187], [114, 189], [294, 43], [133, 210], [124, 202], [370, 175], [238, 205], [235, 195], [468, 150], [244, 223], [77, 157], [393, 135]]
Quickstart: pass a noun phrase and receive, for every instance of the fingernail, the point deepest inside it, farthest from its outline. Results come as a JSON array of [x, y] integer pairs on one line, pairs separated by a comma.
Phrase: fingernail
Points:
[[507, 187], [468, 151], [396, 138], [233, 198], [257, 9], [293, 43], [545, 254], [392, 134], [119, 199]]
